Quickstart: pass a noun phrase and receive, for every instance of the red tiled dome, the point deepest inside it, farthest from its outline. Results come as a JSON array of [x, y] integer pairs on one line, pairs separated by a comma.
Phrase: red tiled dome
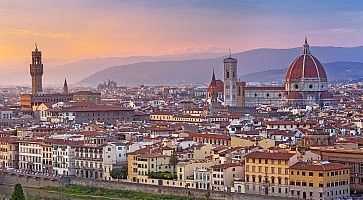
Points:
[[326, 95], [294, 95], [220, 86], [305, 66]]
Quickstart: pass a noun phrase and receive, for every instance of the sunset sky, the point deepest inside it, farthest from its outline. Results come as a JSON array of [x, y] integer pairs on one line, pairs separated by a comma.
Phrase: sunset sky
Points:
[[76, 29]]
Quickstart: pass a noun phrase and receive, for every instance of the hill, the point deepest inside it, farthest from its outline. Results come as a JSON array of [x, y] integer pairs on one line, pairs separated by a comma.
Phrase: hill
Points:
[[199, 70]]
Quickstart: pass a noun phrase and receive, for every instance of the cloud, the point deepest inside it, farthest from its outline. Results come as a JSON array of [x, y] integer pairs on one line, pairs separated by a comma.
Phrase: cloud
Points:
[[49, 34]]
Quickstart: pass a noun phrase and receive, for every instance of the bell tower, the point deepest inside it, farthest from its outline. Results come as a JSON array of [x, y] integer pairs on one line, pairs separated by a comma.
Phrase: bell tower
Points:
[[230, 81], [36, 71]]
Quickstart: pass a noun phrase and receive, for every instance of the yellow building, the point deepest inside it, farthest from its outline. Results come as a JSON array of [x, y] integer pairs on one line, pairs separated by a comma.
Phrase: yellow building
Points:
[[319, 180], [171, 117], [9, 152], [267, 173], [142, 162]]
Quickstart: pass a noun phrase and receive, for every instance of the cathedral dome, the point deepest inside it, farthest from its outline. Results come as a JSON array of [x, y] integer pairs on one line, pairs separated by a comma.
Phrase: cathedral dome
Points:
[[305, 67], [294, 95]]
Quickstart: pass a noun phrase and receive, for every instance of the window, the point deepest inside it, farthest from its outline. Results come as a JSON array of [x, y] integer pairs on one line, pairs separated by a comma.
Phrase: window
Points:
[[303, 173], [292, 172], [311, 184], [320, 174], [311, 174]]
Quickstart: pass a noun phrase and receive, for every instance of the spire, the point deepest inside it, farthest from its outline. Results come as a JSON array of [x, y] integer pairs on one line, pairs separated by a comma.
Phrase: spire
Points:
[[65, 87], [213, 76], [306, 47], [36, 47], [230, 55]]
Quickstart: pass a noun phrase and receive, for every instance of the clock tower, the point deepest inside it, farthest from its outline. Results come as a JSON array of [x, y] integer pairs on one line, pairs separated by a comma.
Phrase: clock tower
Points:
[[36, 71]]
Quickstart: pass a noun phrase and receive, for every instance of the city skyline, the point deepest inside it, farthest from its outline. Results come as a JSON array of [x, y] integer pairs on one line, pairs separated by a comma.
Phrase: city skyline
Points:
[[89, 29]]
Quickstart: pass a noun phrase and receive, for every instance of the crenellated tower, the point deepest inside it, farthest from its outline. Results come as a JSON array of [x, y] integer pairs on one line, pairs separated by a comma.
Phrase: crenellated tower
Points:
[[36, 71]]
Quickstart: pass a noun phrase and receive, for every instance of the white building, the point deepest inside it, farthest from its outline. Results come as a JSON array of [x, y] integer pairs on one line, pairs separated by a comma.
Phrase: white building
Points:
[[30, 155], [114, 155], [64, 157]]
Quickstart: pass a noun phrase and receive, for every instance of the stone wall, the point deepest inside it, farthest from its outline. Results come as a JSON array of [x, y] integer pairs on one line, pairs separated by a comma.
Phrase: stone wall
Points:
[[30, 181], [155, 189], [8, 178]]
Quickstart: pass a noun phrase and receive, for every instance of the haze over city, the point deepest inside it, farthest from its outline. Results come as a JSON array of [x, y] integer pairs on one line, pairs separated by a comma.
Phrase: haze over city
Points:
[[73, 30]]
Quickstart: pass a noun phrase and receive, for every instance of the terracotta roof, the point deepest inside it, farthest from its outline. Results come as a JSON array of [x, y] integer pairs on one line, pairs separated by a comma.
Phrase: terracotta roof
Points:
[[318, 166], [267, 155], [294, 95], [215, 136], [226, 165]]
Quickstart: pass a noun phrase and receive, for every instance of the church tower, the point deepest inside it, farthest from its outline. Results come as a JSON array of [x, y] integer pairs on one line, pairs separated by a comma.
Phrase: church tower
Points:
[[65, 87], [230, 81], [212, 93], [36, 71]]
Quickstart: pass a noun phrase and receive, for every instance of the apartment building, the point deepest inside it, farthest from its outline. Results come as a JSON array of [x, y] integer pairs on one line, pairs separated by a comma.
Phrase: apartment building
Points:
[[114, 156], [30, 155], [223, 175], [319, 180], [267, 173], [63, 157], [9, 152]]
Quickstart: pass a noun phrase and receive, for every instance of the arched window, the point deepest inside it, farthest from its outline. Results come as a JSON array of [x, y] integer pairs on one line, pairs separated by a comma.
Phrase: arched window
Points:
[[227, 74]]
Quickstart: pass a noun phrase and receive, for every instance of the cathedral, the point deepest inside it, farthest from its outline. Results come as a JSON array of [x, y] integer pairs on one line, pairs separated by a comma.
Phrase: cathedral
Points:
[[305, 84]]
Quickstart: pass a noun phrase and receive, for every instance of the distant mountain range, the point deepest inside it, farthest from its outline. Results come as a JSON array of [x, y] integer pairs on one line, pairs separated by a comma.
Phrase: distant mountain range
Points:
[[336, 72], [56, 71], [255, 65]]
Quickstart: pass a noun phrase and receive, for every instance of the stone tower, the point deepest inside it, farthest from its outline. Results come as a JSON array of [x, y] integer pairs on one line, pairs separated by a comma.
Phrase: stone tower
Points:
[[36, 71], [65, 87], [212, 93], [230, 81]]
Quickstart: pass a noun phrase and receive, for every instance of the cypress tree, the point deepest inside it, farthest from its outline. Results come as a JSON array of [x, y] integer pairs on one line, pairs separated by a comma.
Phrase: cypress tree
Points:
[[18, 193]]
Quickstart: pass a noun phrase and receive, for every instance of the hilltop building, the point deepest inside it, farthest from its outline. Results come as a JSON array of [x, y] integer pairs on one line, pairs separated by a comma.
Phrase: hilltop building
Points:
[[305, 84]]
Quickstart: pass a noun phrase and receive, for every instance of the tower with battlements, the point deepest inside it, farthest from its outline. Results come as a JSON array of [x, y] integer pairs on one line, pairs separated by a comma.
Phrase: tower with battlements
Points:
[[36, 71]]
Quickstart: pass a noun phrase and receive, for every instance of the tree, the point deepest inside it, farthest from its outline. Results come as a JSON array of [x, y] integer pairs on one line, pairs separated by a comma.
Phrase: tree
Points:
[[174, 160], [119, 173], [18, 193]]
